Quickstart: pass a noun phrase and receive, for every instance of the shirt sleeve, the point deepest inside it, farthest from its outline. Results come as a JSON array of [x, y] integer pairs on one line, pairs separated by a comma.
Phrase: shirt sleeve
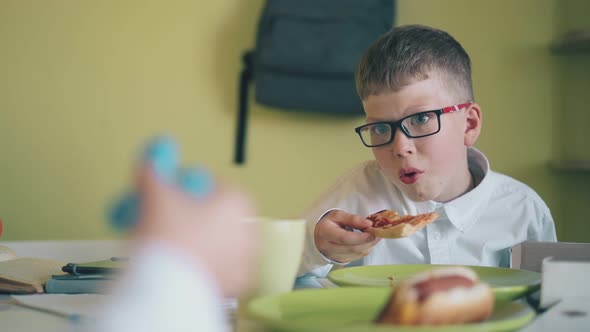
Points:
[[544, 227], [348, 193], [164, 291], [314, 262], [547, 229]]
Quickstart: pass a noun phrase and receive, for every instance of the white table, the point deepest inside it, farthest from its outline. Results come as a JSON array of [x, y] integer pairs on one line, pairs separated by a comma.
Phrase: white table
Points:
[[15, 318], [569, 315]]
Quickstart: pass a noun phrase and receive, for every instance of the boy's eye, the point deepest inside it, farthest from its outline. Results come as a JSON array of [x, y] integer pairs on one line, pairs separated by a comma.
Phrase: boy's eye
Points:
[[380, 129], [420, 119]]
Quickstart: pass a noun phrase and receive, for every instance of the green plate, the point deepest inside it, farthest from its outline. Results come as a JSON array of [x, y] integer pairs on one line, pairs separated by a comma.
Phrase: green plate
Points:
[[354, 309], [507, 284]]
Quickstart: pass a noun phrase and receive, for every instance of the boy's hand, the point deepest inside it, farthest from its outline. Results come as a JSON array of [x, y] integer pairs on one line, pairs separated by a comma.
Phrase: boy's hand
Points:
[[341, 245], [209, 230]]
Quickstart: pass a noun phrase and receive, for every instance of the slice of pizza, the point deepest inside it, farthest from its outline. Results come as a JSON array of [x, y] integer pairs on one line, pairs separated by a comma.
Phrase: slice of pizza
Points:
[[390, 225]]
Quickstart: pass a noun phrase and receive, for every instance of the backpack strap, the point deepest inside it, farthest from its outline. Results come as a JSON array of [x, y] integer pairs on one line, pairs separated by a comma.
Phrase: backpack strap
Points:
[[245, 78]]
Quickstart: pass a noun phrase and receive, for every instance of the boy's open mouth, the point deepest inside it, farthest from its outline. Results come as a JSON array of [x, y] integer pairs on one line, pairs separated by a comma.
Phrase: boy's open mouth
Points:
[[409, 175]]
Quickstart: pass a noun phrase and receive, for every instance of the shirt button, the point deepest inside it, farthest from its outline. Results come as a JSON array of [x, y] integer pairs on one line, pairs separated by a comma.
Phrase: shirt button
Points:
[[436, 236]]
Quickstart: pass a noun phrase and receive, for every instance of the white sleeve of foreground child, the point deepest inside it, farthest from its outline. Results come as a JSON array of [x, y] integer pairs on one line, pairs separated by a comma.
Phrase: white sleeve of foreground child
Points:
[[164, 291]]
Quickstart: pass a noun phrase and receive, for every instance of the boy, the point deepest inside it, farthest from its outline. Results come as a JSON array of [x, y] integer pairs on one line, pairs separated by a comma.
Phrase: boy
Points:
[[422, 121]]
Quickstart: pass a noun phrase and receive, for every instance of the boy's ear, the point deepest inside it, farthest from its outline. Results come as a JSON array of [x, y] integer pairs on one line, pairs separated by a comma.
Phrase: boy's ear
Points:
[[472, 124]]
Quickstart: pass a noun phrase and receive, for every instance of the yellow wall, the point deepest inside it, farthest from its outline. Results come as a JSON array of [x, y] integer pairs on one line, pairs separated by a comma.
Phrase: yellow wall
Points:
[[82, 83]]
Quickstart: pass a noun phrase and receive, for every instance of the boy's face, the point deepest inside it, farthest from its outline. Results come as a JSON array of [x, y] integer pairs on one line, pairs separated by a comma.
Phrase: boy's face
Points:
[[432, 167]]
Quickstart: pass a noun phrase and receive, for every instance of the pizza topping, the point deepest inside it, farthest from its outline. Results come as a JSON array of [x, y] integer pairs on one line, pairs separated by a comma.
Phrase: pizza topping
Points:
[[389, 224], [388, 218]]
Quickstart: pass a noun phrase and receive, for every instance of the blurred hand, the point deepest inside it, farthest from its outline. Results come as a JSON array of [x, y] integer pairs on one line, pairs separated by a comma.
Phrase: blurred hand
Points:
[[341, 245], [209, 229]]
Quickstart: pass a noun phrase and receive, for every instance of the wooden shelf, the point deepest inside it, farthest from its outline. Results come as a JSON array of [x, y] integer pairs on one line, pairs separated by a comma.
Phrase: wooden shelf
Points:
[[574, 165], [577, 41]]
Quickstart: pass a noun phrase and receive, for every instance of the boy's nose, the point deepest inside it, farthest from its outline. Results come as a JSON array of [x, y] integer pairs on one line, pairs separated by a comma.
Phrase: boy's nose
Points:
[[402, 145]]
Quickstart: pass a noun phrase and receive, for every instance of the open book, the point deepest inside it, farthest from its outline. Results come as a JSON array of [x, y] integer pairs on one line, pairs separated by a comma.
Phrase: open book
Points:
[[25, 275]]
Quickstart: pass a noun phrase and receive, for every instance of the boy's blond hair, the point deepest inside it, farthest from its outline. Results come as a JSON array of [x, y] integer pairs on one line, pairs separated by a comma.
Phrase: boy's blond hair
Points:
[[413, 53]]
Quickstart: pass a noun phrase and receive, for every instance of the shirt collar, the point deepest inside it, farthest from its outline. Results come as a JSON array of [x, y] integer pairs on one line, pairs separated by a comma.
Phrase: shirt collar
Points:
[[464, 211]]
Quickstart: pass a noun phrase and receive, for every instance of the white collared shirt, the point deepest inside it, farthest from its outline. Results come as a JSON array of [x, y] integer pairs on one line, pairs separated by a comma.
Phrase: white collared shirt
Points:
[[477, 228]]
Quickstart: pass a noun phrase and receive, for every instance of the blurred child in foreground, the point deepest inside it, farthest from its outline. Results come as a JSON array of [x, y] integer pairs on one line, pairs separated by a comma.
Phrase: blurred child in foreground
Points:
[[189, 253]]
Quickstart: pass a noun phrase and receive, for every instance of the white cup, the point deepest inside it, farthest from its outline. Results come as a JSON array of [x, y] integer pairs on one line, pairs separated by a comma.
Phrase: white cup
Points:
[[280, 247]]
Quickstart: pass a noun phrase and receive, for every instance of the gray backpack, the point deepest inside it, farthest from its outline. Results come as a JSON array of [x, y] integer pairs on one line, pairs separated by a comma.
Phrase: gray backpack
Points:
[[306, 56]]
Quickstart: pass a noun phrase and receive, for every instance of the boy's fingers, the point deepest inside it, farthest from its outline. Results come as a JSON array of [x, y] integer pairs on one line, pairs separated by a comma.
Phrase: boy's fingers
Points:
[[162, 153], [146, 181], [346, 219], [159, 164], [342, 236], [196, 180], [361, 249]]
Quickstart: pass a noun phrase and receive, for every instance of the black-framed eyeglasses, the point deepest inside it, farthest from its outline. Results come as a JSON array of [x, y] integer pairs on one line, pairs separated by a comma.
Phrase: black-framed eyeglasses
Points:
[[417, 125]]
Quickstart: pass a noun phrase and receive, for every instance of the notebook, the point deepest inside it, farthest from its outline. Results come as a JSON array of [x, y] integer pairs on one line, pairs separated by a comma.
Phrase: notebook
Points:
[[25, 275], [80, 284]]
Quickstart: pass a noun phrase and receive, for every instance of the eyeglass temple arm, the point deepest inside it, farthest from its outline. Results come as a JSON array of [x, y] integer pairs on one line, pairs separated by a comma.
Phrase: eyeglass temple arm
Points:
[[455, 108]]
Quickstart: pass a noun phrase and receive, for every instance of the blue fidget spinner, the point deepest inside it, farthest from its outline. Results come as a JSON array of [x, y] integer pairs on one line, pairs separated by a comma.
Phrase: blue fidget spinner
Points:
[[163, 154]]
